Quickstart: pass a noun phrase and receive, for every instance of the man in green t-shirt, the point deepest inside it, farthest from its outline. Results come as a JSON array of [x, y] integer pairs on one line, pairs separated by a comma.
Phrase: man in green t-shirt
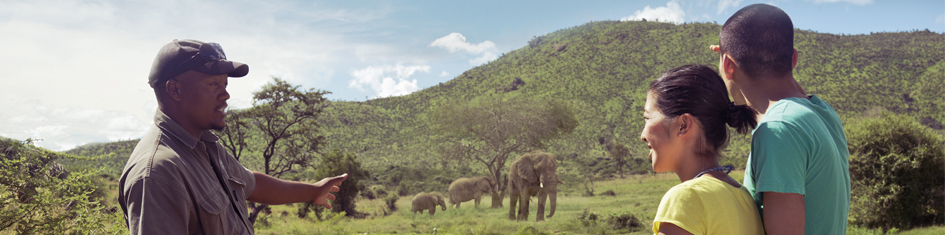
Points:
[[798, 169]]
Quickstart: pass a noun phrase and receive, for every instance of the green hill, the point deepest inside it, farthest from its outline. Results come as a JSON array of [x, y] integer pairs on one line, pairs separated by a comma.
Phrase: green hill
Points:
[[114, 159], [603, 68]]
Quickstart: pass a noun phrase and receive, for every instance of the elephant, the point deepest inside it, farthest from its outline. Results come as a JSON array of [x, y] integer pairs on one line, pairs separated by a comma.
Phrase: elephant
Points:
[[428, 201], [533, 174], [465, 189]]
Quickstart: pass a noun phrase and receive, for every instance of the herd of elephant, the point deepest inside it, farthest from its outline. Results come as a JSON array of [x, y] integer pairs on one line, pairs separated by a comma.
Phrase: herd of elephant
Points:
[[533, 174]]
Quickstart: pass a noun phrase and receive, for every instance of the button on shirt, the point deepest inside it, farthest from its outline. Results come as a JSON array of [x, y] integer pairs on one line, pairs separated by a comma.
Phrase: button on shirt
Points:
[[174, 183]]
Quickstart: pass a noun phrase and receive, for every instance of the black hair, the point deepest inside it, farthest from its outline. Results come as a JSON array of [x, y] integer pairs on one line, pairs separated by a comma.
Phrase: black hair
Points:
[[699, 91], [760, 38]]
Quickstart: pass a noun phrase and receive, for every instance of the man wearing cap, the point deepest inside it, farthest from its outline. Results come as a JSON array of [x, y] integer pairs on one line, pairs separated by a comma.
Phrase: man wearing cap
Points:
[[179, 179], [798, 171]]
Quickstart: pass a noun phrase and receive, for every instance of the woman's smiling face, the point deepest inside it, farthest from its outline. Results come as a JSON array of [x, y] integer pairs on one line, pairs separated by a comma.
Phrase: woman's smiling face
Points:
[[659, 137]]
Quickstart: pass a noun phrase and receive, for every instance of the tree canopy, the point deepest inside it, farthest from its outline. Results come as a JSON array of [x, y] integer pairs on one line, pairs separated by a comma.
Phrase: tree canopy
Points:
[[492, 128]]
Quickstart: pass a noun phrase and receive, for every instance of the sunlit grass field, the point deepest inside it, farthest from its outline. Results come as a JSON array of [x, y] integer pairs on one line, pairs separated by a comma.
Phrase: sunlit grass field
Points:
[[638, 195]]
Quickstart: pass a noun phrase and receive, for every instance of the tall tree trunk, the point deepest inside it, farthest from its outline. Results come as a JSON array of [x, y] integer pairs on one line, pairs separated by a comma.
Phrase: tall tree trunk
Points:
[[257, 208]]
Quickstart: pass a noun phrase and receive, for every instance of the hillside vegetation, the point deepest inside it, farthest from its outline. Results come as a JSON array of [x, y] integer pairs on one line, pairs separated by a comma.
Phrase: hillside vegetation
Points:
[[602, 70]]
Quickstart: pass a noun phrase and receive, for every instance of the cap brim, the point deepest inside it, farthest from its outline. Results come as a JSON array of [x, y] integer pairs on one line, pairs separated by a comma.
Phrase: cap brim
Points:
[[231, 68]]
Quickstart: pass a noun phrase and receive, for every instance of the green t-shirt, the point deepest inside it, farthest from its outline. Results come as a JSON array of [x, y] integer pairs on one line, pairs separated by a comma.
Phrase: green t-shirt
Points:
[[799, 147]]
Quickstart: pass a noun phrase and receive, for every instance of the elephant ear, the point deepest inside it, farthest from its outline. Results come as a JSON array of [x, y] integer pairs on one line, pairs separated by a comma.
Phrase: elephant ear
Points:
[[526, 169], [484, 184]]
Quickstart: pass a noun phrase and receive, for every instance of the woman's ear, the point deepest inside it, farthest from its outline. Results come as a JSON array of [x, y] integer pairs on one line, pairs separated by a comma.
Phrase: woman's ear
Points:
[[685, 124]]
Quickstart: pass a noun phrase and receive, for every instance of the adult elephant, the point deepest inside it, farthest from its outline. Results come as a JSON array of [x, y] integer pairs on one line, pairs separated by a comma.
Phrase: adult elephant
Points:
[[533, 174], [465, 189], [428, 201]]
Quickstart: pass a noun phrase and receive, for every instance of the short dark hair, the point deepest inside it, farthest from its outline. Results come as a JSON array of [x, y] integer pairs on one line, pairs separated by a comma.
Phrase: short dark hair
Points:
[[699, 91], [760, 38]]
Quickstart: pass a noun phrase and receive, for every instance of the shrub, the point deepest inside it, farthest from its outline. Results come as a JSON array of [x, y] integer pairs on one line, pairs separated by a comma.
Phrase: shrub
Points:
[[391, 201], [36, 199], [625, 221], [609, 193], [380, 191], [302, 210], [896, 167], [368, 194], [336, 163]]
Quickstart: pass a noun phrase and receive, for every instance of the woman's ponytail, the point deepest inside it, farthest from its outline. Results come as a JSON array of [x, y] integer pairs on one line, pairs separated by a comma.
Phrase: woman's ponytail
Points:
[[741, 117]]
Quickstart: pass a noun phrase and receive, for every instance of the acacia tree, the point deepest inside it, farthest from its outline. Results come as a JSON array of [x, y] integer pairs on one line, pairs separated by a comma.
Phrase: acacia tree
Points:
[[489, 130], [281, 128]]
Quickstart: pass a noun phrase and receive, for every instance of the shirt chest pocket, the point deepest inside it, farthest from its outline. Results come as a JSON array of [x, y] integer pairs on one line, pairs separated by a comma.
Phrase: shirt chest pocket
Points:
[[238, 192], [216, 215]]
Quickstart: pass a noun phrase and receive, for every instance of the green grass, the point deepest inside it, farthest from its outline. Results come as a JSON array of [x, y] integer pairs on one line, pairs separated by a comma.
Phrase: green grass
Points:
[[638, 195]]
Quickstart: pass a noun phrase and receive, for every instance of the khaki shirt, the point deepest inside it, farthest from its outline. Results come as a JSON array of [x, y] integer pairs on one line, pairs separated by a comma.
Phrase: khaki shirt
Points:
[[169, 186]]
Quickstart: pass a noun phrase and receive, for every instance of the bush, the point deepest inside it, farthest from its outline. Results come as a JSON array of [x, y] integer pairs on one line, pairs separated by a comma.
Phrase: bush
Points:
[[896, 167], [368, 194], [36, 199], [609, 193], [336, 163], [625, 221], [391, 201], [380, 191]]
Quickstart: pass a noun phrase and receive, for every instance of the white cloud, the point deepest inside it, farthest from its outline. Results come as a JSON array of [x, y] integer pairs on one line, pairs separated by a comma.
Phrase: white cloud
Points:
[[857, 2], [90, 59], [454, 42], [64, 127], [389, 80], [726, 4], [672, 12], [444, 74], [940, 19]]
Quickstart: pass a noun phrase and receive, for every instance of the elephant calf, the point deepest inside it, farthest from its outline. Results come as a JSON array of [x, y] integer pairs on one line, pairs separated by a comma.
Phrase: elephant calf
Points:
[[427, 201]]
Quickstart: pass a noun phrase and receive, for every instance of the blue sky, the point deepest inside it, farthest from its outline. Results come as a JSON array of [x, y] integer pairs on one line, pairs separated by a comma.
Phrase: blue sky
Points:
[[74, 72]]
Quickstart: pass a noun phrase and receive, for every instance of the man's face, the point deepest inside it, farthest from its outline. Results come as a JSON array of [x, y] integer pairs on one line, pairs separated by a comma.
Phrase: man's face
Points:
[[203, 99]]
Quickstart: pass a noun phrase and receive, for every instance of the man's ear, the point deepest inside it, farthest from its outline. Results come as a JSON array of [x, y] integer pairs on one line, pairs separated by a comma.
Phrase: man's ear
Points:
[[172, 87], [728, 66]]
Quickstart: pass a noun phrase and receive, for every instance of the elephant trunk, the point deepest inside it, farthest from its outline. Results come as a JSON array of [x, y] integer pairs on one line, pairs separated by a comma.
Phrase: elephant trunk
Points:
[[553, 199]]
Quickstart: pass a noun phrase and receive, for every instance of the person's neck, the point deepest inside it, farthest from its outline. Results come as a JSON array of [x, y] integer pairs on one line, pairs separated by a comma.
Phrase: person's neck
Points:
[[182, 121], [687, 172], [762, 93]]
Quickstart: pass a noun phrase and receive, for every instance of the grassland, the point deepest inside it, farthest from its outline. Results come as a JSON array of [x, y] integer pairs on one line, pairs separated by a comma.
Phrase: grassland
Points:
[[638, 195]]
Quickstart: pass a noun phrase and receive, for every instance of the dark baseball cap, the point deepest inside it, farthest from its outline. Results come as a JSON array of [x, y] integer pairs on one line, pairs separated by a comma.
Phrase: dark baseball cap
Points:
[[179, 56]]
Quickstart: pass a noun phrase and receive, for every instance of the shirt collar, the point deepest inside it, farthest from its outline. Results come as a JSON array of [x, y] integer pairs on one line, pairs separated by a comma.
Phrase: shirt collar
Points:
[[170, 127]]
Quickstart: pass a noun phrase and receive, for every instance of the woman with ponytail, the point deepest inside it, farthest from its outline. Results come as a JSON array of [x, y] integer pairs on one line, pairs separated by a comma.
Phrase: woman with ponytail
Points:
[[686, 113]]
